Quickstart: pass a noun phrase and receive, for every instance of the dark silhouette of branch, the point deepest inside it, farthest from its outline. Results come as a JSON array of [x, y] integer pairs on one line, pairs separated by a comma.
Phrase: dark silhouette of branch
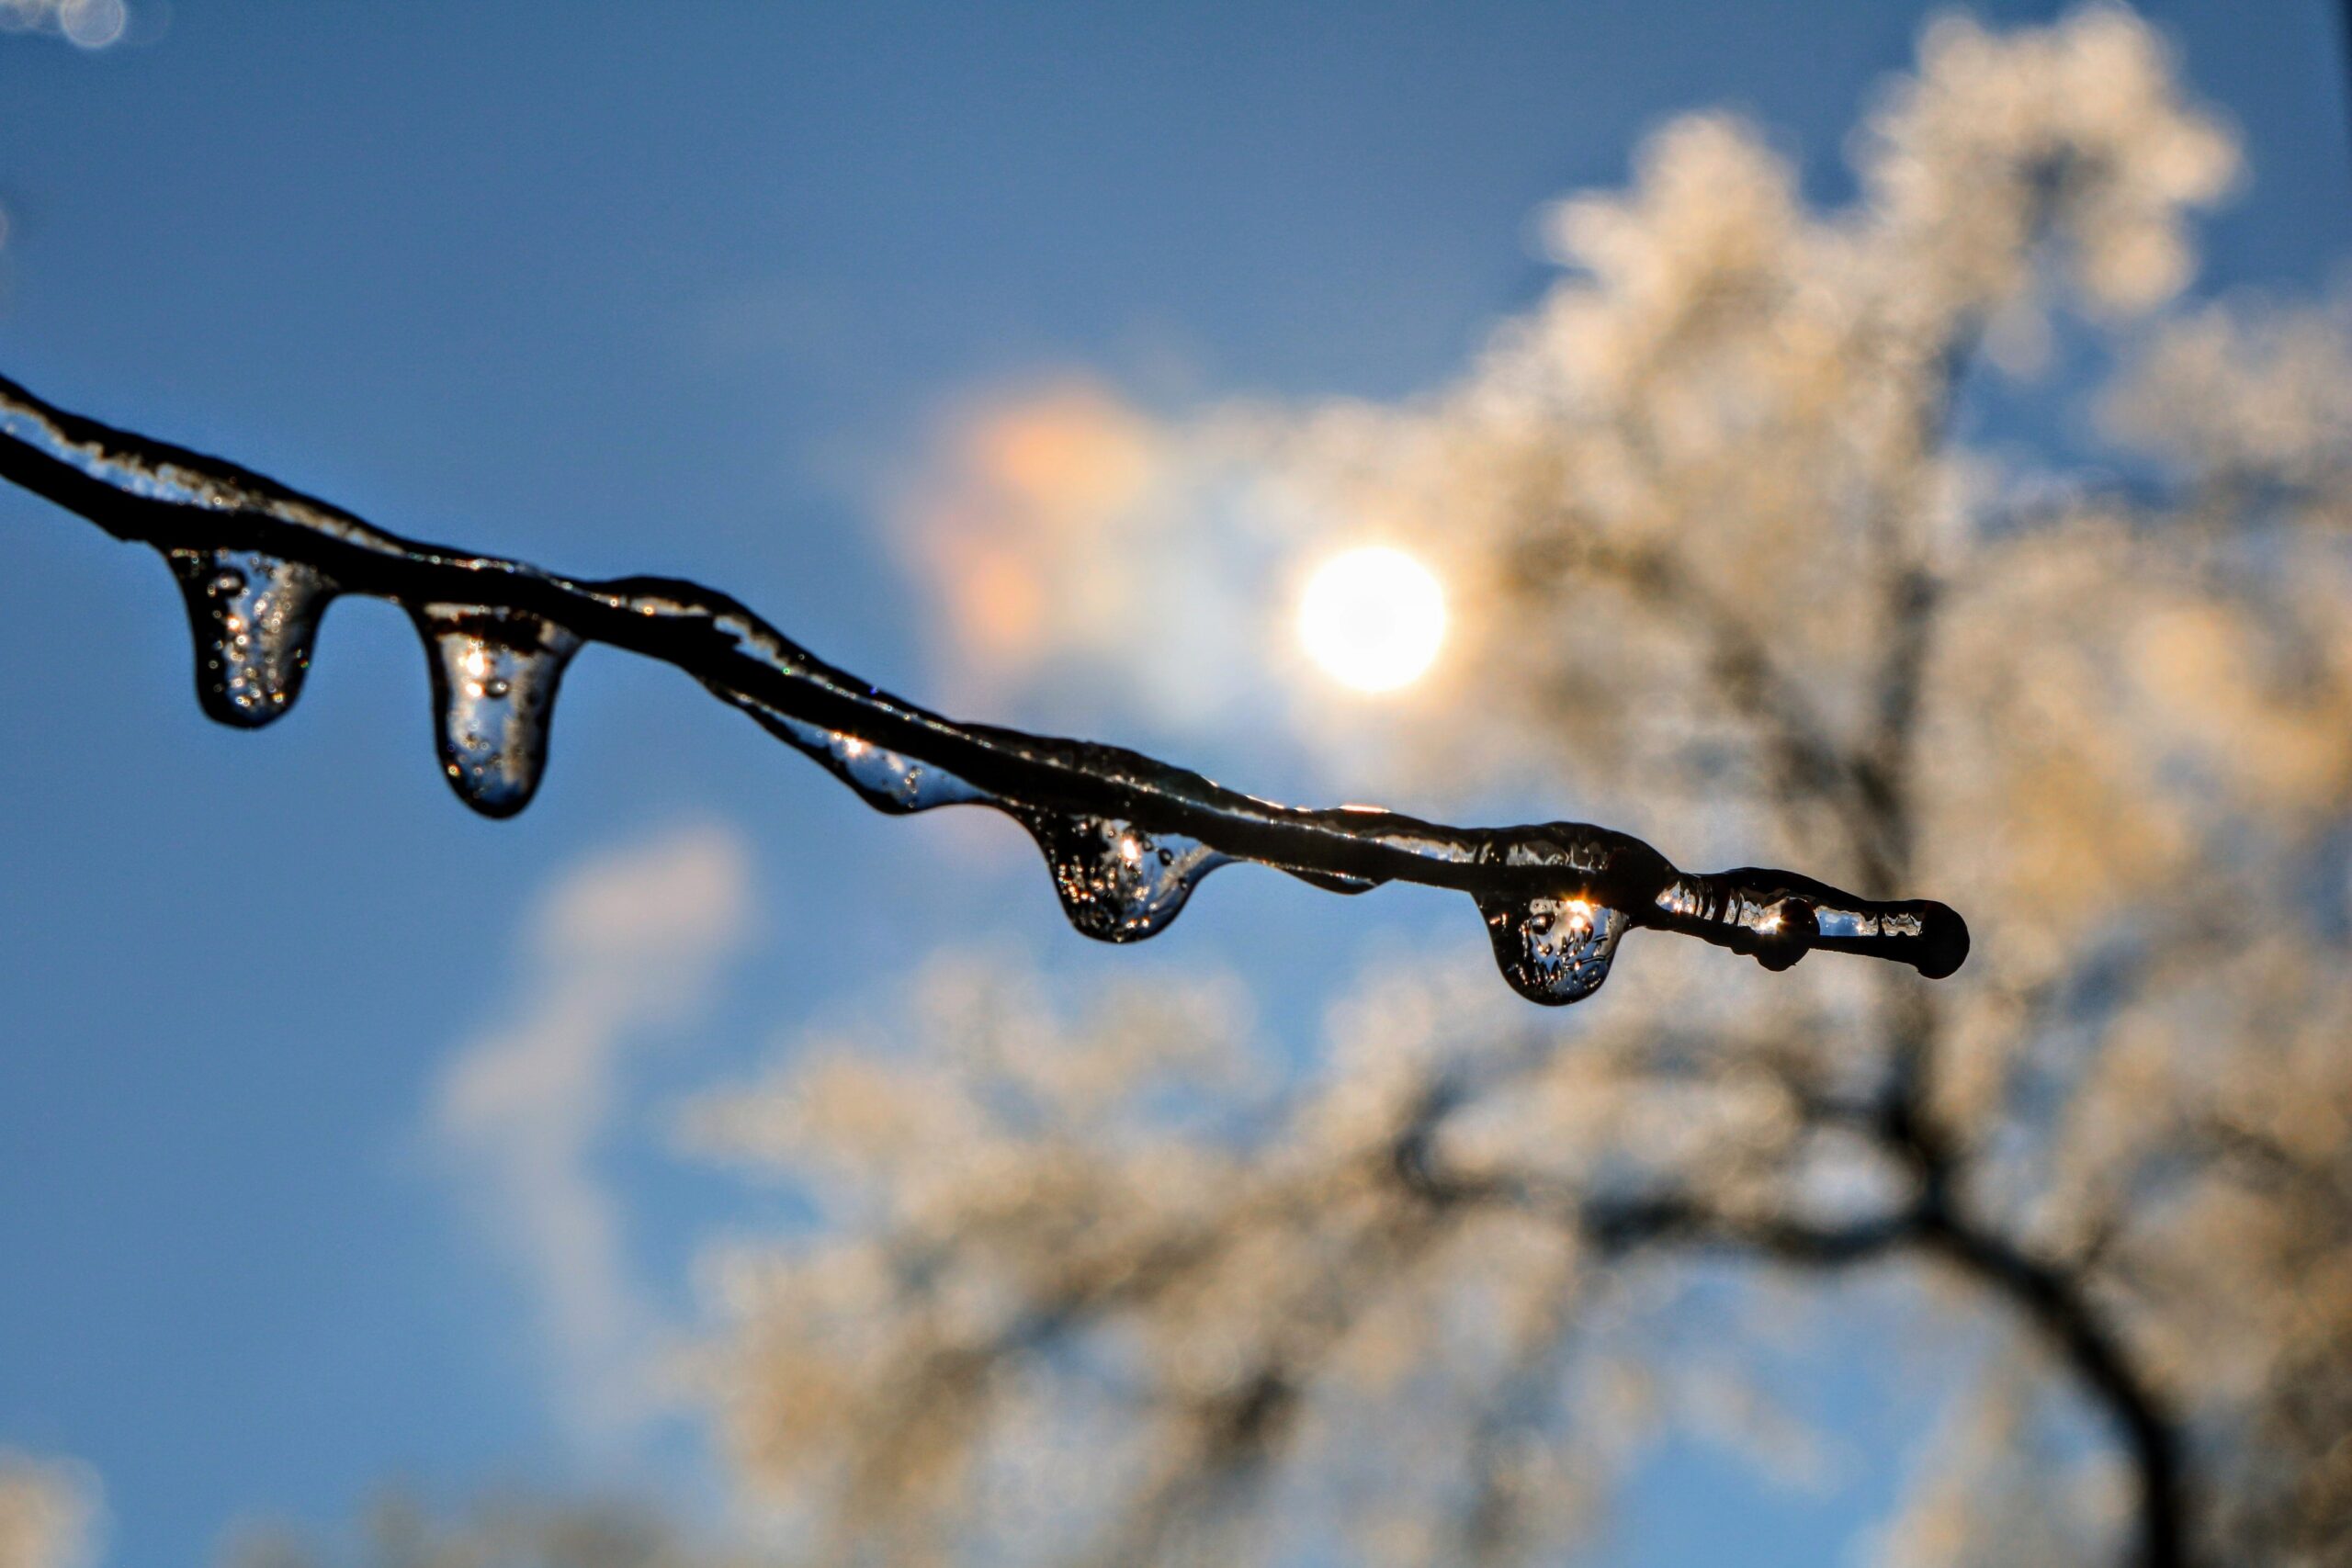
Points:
[[2056, 1302], [2053, 1298], [1127, 836]]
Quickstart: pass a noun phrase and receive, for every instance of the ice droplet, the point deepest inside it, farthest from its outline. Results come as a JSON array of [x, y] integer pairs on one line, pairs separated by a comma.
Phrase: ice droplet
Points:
[[495, 672], [1554, 949], [1117, 882], [886, 780], [253, 617], [1783, 932]]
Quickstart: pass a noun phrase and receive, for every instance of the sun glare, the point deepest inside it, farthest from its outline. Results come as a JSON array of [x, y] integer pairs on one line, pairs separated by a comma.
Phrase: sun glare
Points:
[[1372, 618]]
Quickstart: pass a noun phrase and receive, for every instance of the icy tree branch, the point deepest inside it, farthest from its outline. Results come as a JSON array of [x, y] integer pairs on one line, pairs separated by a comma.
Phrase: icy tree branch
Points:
[[1127, 836]]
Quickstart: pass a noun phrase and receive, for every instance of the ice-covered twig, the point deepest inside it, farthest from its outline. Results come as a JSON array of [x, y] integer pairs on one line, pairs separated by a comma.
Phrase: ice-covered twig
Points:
[[1128, 837]]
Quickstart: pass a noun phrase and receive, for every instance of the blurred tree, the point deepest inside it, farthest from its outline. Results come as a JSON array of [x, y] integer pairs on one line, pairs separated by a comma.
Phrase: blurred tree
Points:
[[48, 1512], [1113, 1289]]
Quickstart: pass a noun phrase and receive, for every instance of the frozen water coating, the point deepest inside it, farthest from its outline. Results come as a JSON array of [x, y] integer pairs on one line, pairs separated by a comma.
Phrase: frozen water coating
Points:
[[1126, 837], [886, 780]]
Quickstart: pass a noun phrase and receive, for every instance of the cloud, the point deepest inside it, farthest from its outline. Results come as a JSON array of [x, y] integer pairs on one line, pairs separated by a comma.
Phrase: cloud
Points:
[[1026, 489], [48, 1512], [1077, 544], [624, 945]]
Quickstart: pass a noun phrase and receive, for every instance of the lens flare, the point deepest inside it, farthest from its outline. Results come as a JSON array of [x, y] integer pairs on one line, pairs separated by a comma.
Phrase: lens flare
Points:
[[1372, 618]]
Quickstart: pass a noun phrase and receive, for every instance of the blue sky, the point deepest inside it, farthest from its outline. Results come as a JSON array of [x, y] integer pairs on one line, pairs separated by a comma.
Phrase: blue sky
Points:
[[677, 289]]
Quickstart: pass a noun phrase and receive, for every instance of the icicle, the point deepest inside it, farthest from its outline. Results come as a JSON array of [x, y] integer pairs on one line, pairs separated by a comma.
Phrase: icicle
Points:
[[1117, 883], [495, 672], [1554, 949], [253, 617]]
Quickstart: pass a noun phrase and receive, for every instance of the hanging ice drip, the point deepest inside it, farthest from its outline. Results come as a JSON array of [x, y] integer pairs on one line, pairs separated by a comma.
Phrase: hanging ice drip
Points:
[[496, 675], [1117, 882], [253, 617]]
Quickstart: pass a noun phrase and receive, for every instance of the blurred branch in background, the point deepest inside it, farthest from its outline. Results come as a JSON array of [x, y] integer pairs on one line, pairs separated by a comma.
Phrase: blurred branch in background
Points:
[[1118, 1288]]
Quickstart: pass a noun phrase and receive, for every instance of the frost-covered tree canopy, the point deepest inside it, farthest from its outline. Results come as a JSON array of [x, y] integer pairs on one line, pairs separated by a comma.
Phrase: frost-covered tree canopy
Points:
[[1113, 1287]]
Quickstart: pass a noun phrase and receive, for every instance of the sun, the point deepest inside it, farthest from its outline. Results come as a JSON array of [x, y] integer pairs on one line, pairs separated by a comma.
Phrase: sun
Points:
[[1372, 618]]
